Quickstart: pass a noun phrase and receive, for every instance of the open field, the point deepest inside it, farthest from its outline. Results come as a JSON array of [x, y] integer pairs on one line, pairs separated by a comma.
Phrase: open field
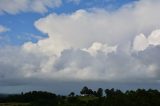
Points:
[[14, 104]]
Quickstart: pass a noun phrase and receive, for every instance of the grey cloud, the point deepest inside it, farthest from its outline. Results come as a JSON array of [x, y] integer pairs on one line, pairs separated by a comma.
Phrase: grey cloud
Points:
[[150, 57], [71, 57], [115, 67], [14, 63], [82, 68]]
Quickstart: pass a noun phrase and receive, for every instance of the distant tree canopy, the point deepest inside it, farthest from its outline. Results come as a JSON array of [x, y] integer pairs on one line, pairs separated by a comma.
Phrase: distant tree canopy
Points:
[[86, 91], [71, 94], [113, 97]]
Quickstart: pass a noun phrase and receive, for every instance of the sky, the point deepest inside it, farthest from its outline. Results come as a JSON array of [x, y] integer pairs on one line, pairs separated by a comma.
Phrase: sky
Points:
[[63, 45]]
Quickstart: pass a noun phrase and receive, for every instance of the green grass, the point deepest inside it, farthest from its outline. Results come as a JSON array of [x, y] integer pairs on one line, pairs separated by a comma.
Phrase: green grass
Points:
[[81, 98], [14, 104]]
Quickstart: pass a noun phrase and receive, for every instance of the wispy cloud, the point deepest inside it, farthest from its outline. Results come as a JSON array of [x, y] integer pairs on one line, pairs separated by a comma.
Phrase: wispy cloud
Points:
[[3, 29], [74, 1], [17, 6]]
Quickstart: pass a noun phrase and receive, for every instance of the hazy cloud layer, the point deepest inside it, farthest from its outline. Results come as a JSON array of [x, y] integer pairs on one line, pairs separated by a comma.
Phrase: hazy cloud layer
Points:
[[91, 45], [16, 6]]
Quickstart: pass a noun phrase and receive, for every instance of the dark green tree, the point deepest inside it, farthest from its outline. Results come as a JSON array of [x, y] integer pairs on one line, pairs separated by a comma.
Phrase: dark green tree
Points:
[[71, 94], [84, 90], [90, 92], [100, 92]]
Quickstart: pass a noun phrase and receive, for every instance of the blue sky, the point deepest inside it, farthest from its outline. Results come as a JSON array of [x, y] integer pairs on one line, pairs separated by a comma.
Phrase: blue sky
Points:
[[76, 43], [21, 25]]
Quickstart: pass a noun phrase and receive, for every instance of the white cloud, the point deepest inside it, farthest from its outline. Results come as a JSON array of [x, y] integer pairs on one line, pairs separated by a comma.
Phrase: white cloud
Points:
[[3, 29], [16, 6], [61, 56], [94, 30], [154, 38], [98, 47], [141, 42]]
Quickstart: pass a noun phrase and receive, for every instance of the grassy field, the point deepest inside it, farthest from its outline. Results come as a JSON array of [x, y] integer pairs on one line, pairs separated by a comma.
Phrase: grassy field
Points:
[[81, 98], [87, 98], [14, 104]]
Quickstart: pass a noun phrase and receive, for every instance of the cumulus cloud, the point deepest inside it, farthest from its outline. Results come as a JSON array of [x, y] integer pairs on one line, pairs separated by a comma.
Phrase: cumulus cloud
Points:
[[154, 38], [98, 47], [3, 29], [16, 6], [141, 42], [93, 45]]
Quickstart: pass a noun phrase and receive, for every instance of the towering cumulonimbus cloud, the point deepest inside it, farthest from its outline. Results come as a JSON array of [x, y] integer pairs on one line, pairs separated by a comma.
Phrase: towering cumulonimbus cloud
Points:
[[92, 45]]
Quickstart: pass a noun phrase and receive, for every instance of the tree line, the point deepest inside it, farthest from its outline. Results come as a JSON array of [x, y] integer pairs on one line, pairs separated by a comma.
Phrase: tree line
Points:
[[88, 97]]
